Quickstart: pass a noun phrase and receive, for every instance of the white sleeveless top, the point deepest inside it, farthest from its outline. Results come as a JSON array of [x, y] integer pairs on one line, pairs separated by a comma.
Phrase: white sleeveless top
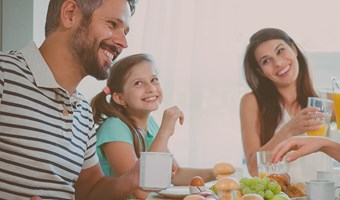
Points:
[[305, 167]]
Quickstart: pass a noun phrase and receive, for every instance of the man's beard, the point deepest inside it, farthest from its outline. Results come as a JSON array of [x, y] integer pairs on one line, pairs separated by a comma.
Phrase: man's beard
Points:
[[84, 48]]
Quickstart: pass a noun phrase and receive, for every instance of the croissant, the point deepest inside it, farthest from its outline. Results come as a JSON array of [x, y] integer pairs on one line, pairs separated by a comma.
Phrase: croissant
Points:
[[292, 190]]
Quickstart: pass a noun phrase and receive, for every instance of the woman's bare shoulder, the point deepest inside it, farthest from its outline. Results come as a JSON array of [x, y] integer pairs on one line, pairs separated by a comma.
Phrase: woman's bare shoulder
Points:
[[248, 99]]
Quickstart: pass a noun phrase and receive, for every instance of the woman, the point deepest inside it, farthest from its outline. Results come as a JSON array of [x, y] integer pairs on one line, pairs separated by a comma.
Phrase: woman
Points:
[[126, 127], [278, 74]]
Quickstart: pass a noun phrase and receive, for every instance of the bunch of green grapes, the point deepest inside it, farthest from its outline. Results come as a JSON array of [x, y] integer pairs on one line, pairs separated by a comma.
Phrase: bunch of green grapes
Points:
[[263, 187]]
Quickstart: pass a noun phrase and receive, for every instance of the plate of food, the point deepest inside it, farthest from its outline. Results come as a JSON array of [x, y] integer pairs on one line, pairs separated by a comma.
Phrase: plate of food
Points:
[[175, 192]]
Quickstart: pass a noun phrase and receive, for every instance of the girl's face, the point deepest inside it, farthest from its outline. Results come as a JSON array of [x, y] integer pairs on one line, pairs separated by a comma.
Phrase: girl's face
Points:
[[278, 62], [142, 92]]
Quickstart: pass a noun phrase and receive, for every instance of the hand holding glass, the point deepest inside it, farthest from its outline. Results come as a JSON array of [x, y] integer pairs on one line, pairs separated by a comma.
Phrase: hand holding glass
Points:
[[265, 165], [325, 107]]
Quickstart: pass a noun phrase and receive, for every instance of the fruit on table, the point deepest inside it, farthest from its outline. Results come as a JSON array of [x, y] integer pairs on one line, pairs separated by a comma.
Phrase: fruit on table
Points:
[[280, 196], [265, 187], [252, 197], [213, 189]]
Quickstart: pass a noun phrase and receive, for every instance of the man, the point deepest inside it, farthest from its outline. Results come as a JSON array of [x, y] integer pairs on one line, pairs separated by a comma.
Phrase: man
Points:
[[47, 137]]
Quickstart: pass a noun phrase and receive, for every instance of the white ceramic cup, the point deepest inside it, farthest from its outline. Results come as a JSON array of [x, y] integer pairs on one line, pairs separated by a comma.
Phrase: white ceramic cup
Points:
[[155, 170], [332, 174], [321, 189]]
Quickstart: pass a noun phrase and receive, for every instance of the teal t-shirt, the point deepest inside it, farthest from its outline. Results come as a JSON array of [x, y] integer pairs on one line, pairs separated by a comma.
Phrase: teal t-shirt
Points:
[[115, 130]]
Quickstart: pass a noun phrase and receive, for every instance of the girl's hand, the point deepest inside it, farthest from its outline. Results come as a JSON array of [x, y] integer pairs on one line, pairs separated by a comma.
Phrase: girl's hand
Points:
[[170, 116], [304, 121]]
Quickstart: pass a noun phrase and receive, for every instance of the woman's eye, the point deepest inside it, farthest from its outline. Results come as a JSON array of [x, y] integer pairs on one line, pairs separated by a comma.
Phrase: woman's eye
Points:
[[154, 80], [280, 50], [265, 61], [138, 83]]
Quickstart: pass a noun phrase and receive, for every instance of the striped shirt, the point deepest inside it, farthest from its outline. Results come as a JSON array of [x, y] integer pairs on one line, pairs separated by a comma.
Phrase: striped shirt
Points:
[[46, 135]]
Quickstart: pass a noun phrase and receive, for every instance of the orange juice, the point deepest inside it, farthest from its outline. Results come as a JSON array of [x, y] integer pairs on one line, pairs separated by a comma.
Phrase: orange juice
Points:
[[320, 132], [262, 175], [337, 108]]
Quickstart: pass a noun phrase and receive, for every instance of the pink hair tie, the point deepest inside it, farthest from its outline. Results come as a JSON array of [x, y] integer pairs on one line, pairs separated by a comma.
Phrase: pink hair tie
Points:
[[106, 90]]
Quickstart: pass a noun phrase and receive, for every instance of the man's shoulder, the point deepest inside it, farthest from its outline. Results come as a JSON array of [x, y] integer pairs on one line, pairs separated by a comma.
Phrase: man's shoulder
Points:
[[11, 58]]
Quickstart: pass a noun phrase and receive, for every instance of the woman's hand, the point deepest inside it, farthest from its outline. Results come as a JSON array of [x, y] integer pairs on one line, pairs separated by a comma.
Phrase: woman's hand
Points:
[[170, 116], [302, 145], [304, 121]]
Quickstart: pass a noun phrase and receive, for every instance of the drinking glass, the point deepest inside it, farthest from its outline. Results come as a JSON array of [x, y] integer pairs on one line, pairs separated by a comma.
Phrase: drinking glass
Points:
[[265, 165], [325, 107], [336, 97]]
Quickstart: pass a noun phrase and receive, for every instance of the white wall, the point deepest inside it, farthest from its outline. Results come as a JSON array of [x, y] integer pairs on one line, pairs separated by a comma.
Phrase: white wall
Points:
[[23, 21], [17, 27], [1, 25], [39, 18]]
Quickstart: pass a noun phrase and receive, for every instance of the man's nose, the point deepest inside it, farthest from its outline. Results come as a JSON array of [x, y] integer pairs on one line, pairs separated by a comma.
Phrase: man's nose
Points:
[[119, 38]]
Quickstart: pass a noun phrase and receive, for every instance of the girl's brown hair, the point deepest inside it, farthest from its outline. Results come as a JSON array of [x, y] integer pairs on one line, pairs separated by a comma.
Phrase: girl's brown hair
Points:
[[102, 109], [266, 93]]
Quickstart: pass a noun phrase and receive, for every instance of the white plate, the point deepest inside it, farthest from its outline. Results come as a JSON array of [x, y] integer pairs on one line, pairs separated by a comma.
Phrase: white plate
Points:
[[175, 192]]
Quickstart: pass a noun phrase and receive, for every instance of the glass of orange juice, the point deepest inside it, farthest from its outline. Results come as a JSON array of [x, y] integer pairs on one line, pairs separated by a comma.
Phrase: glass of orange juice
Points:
[[336, 97], [325, 107], [266, 167]]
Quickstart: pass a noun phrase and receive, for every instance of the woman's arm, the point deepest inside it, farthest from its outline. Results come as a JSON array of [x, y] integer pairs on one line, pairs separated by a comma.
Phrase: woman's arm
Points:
[[304, 146], [250, 128]]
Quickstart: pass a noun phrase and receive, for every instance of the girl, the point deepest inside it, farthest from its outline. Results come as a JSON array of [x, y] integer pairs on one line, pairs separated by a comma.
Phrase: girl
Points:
[[125, 125], [277, 73]]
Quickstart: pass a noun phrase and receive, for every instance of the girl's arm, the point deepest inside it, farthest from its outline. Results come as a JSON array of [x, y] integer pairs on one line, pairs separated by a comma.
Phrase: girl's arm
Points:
[[183, 176], [122, 157], [167, 129]]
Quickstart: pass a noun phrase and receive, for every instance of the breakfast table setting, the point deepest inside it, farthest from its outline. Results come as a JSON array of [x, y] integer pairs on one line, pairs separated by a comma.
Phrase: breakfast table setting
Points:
[[227, 186]]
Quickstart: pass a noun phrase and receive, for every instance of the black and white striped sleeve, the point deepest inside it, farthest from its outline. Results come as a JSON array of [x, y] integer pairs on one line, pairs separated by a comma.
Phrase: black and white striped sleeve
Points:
[[2, 81]]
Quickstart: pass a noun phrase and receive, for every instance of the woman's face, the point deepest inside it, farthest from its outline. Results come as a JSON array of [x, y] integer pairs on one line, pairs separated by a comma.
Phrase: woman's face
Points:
[[142, 92], [278, 62]]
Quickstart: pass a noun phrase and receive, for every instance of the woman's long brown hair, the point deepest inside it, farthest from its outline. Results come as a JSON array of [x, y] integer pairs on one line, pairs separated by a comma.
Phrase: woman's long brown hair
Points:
[[102, 109], [267, 96]]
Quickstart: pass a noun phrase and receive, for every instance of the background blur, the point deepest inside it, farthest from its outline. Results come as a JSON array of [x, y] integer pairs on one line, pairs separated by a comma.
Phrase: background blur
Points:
[[198, 46]]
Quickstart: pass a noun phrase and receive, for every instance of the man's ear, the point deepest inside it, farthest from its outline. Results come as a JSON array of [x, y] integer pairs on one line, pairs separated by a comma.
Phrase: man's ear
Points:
[[69, 13], [118, 99]]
